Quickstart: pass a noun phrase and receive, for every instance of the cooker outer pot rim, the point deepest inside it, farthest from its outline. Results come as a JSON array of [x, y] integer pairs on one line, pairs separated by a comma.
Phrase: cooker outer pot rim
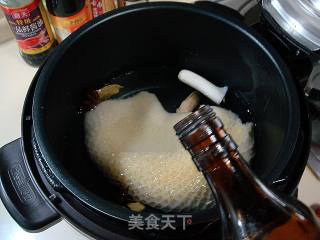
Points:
[[71, 184]]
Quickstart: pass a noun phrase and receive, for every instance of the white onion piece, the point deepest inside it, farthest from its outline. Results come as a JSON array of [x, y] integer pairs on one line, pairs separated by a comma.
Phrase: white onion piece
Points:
[[214, 93]]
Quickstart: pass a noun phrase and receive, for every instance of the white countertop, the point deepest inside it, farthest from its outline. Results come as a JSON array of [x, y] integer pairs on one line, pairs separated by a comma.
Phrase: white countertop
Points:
[[15, 77]]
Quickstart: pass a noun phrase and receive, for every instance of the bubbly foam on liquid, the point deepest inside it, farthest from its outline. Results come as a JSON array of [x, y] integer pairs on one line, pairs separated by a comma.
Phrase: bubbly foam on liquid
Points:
[[133, 141]]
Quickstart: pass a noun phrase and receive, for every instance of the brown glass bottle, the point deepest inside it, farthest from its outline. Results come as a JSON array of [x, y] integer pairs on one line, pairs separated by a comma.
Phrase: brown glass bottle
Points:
[[29, 23], [68, 15], [248, 209]]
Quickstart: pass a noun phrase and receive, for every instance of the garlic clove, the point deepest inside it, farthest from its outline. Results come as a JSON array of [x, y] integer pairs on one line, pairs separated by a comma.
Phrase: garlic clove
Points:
[[190, 103]]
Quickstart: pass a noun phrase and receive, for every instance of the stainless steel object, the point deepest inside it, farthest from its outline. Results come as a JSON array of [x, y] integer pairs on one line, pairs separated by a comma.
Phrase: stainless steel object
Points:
[[299, 20], [314, 160], [314, 78]]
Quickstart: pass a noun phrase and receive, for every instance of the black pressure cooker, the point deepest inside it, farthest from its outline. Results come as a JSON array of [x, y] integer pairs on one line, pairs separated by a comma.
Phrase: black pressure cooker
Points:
[[47, 174]]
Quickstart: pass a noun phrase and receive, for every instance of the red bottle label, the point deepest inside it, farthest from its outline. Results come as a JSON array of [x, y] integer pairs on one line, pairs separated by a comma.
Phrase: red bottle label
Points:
[[31, 27], [96, 7]]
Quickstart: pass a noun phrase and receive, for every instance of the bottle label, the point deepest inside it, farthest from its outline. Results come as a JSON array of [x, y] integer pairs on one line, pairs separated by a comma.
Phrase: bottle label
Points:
[[64, 26], [96, 7], [31, 27]]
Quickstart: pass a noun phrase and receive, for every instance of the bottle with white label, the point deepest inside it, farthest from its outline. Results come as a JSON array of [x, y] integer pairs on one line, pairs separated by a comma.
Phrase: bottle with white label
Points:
[[29, 23]]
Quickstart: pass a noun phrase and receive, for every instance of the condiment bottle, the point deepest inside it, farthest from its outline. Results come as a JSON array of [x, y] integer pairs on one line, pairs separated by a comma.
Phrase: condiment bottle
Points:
[[68, 15], [29, 23], [121, 3], [248, 209], [99, 7]]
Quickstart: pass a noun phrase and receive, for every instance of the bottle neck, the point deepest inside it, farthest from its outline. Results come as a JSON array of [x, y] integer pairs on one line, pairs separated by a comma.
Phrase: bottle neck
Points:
[[62, 8]]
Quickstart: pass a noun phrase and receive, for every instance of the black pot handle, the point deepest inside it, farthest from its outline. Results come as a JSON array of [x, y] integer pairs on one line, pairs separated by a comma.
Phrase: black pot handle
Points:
[[19, 192]]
